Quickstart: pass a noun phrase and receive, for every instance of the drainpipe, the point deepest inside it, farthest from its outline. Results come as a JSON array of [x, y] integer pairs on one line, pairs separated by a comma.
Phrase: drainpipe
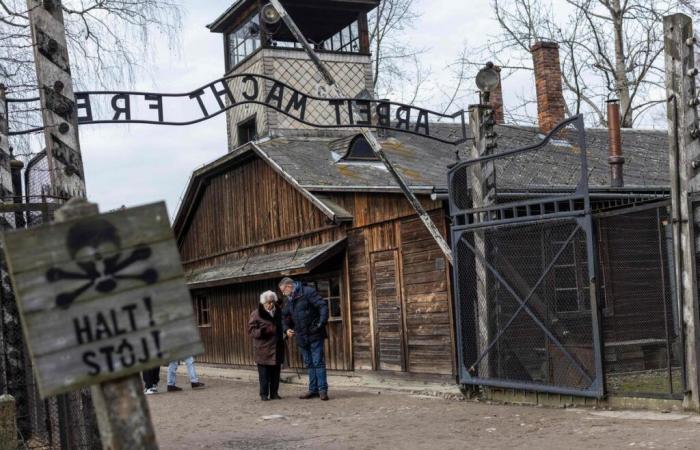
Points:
[[615, 158]]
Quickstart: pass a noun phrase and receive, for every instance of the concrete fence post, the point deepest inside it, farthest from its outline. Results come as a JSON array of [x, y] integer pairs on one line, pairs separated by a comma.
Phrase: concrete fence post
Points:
[[8, 423]]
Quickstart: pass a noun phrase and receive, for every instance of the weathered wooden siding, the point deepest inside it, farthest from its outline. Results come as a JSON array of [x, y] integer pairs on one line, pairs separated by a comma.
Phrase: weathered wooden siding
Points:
[[425, 309], [226, 340], [388, 306], [359, 301], [428, 307], [372, 208], [249, 205]]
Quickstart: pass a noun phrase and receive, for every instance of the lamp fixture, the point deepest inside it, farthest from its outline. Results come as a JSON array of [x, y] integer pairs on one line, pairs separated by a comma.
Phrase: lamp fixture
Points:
[[270, 15], [487, 79]]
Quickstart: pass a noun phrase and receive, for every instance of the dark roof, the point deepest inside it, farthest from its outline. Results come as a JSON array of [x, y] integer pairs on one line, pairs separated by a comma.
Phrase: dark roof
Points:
[[312, 166], [317, 19], [313, 162], [289, 263]]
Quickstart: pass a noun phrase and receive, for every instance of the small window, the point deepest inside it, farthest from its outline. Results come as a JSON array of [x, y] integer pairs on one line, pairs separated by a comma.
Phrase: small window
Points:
[[328, 287], [569, 275], [247, 131], [201, 306], [360, 150]]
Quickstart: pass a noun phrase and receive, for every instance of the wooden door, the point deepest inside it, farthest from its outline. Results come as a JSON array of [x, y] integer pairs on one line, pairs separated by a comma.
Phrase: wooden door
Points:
[[388, 311]]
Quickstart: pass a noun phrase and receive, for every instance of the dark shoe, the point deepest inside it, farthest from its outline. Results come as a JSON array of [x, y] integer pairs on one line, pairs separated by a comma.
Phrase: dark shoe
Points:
[[275, 397], [264, 398], [324, 396], [308, 395], [197, 385], [173, 388]]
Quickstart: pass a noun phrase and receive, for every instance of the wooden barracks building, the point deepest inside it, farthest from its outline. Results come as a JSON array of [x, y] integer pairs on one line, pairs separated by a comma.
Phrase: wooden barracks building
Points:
[[290, 200], [318, 206]]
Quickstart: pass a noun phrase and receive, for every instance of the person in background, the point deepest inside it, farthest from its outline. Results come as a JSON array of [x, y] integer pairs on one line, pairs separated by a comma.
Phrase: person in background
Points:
[[265, 327], [151, 378], [172, 378], [305, 317]]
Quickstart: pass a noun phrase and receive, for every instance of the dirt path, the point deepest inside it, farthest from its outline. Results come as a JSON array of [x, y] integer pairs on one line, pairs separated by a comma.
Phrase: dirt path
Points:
[[229, 414]]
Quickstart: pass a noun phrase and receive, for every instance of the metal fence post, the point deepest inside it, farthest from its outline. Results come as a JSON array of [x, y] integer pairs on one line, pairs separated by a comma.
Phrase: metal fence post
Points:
[[684, 160]]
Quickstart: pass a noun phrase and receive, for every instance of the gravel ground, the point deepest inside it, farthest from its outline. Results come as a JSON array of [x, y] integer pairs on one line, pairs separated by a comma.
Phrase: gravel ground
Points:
[[230, 415]]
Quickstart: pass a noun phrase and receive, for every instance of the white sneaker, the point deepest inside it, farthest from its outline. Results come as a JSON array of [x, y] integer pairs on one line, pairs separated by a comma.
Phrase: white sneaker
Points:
[[150, 391]]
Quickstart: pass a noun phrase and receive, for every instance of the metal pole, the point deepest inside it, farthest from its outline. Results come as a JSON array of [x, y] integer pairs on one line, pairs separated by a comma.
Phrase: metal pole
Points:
[[368, 135], [684, 154]]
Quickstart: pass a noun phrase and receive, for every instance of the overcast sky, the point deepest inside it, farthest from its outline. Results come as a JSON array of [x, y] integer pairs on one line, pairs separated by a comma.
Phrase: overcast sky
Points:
[[136, 164]]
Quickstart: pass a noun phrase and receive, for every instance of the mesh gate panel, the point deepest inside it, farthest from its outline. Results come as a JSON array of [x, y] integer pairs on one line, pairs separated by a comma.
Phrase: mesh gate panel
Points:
[[640, 320], [525, 306]]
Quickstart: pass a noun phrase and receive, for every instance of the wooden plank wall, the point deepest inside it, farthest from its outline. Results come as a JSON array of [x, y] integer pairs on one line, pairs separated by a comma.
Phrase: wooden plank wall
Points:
[[425, 291], [246, 206], [387, 310], [359, 301], [428, 306], [226, 340]]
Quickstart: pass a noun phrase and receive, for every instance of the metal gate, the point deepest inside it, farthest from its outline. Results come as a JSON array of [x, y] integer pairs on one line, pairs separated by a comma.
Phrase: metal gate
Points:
[[525, 273]]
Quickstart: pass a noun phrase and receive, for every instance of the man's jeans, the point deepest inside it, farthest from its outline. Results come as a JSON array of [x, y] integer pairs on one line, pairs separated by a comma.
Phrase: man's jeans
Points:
[[172, 369], [315, 362]]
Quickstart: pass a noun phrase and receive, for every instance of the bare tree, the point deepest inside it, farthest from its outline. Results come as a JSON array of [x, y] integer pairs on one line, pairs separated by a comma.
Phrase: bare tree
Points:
[[608, 49], [108, 41], [396, 63]]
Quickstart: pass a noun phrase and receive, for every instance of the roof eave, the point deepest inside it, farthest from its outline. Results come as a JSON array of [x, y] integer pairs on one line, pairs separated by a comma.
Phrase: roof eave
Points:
[[219, 24]]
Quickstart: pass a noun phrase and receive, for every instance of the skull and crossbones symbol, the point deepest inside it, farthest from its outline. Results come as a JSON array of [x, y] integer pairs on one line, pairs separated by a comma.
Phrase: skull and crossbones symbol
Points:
[[95, 247]]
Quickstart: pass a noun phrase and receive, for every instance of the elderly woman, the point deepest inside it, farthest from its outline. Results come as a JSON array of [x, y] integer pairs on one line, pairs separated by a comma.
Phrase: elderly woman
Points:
[[265, 327]]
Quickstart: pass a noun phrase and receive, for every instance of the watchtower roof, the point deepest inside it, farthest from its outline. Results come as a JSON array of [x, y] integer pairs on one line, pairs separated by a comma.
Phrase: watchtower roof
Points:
[[317, 19]]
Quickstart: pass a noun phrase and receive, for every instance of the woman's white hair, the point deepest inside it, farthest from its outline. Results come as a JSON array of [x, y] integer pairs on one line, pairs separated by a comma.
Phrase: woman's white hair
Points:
[[268, 296]]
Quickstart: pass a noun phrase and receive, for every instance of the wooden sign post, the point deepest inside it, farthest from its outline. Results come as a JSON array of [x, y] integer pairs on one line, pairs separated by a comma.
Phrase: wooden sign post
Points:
[[103, 297]]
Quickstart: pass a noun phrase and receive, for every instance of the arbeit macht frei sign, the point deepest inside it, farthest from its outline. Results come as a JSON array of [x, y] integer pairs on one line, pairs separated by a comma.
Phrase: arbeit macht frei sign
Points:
[[320, 111]]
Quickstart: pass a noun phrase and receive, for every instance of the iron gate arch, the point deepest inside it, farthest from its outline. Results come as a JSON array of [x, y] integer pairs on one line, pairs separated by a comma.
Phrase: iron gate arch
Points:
[[525, 275]]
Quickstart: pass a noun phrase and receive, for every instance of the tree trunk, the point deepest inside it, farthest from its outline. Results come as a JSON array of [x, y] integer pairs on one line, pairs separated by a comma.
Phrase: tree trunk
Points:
[[621, 82]]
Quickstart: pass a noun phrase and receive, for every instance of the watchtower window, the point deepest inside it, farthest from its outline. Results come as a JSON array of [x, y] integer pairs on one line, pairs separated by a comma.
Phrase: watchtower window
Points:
[[346, 40], [243, 41], [360, 150], [247, 131]]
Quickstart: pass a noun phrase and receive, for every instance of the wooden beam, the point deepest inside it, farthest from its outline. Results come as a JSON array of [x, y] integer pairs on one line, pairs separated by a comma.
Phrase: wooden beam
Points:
[[58, 106], [684, 154]]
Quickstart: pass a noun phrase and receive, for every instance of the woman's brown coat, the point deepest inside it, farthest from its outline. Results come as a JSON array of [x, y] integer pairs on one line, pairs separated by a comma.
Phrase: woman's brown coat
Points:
[[268, 337]]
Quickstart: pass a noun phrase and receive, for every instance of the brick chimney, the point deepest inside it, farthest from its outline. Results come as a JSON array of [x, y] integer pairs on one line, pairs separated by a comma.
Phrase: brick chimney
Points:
[[550, 100], [496, 99]]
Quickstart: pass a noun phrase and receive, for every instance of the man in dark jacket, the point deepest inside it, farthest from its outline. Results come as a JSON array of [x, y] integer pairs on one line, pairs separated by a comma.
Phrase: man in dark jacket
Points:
[[305, 317]]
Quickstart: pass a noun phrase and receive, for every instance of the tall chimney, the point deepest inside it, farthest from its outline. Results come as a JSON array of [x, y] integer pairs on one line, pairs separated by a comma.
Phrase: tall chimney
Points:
[[615, 158], [550, 100], [496, 99]]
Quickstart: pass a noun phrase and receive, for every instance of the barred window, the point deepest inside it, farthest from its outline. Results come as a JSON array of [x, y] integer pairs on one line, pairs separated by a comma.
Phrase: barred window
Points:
[[201, 307]]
